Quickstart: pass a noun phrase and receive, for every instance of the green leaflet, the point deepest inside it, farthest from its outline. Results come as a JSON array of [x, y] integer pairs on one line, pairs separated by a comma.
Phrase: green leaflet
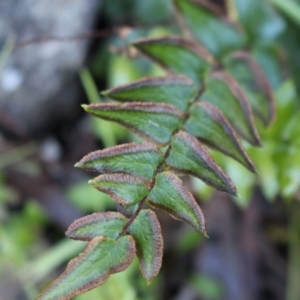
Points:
[[101, 258], [175, 90], [166, 112], [107, 224], [266, 56], [188, 156], [137, 159], [170, 195], [223, 91], [122, 188], [205, 24], [254, 83], [260, 21], [149, 243], [207, 123], [178, 55], [153, 121]]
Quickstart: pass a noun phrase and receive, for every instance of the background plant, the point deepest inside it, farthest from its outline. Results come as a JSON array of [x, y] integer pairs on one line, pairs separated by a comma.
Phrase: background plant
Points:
[[173, 113], [35, 259]]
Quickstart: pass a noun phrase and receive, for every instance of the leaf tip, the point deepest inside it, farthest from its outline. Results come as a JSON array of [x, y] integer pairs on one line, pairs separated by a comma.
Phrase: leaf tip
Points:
[[85, 107], [78, 165], [205, 234], [104, 93], [234, 191], [92, 181], [149, 282], [254, 170]]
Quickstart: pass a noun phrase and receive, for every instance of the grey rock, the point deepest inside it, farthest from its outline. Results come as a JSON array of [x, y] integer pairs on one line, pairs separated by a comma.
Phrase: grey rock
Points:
[[39, 82]]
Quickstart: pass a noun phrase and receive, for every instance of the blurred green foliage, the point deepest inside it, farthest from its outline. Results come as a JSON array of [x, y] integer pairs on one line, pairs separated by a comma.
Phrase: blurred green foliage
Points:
[[278, 161]]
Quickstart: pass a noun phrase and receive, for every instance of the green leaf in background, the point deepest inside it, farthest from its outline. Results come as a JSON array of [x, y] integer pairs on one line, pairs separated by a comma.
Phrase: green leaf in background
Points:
[[146, 233], [206, 287], [153, 121], [267, 169], [101, 258], [208, 124], [243, 180], [107, 132], [288, 108], [269, 58], [37, 269], [259, 19], [122, 188], [122, 70], [137, 159], [253, 81], [170, 195], [205, 24], [188, 156], [287, 159], [177, 55], [223, 91], [175, 90], [107, 224], [94, 201], [290, 7]]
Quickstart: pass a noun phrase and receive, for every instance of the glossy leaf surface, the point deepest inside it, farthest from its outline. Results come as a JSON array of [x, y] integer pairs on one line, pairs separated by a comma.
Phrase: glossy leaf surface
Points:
[[188, 156], [217, 36], [175, 90], [259, 20], [119, 159], [107, 224], [177, 55], [93, 267], [223, 91], [207, 123], [170, 195], [149, 243], [153, 121], [124, 189]]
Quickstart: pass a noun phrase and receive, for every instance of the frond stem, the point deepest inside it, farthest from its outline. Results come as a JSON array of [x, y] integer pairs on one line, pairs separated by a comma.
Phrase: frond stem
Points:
[[159, 167]]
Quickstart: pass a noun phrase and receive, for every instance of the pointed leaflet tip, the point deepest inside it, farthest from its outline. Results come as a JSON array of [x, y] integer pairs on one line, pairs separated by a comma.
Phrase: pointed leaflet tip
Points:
[[153, 121], [91, 181], [170, 195], [146, 233], [104, 93], [256, 85], [208, 124], [223, 91], [79, 165], [188, 156]]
